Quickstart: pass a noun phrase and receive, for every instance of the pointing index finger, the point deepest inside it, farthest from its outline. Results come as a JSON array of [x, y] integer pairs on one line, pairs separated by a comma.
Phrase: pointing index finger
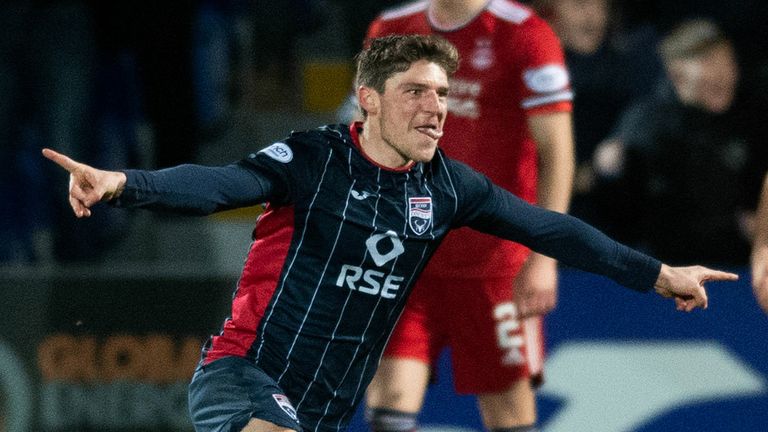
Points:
[[716, 275], [61, 160]]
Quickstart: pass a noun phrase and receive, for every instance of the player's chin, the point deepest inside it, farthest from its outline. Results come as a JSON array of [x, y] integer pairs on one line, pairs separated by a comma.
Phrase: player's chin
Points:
[[425, 153]]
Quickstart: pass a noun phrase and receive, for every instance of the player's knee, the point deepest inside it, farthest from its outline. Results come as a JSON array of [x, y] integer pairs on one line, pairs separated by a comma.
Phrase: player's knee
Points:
[[394, 396], [388, 420]]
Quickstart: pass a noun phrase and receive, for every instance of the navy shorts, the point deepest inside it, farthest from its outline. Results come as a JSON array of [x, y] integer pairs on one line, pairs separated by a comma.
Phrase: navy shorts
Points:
[[225, 394]]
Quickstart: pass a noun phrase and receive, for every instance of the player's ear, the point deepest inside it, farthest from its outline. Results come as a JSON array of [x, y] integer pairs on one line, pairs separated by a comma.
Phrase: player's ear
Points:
[[368, 99]]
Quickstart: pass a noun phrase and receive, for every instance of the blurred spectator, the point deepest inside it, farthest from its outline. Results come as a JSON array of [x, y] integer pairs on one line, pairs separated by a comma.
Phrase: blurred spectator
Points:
[[80, 76], [276, 26], [357, 15], [610, 68], [215, 52], [46, 77], [84, 77], [694, 151], [160, 37], [740, 18]]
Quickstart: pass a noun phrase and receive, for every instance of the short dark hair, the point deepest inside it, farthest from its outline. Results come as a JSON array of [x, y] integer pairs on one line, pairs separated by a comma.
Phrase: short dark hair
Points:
[[389, 55]]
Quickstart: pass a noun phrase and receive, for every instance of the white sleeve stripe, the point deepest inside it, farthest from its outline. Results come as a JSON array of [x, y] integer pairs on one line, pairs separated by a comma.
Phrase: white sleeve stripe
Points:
[[563, 96], [509, 11]]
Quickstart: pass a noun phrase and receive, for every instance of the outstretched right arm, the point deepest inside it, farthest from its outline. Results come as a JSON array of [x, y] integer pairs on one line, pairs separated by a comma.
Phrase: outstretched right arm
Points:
[[187, 189]]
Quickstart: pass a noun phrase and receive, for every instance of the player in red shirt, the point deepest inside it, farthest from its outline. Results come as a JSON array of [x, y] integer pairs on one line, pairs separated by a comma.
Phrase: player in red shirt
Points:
[[510, 118]]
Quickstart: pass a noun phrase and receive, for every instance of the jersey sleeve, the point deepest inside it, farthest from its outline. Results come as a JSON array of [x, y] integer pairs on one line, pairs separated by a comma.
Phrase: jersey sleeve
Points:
[[292, 165], [276, 174], [493, 210], [544, 82], [195, 189]]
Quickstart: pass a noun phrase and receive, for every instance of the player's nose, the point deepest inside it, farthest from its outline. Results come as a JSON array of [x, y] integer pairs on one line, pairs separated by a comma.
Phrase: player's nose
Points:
[[431, 102]]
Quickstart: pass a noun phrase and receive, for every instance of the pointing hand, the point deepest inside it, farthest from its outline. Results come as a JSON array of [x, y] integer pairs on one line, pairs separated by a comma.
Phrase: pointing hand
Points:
[[87, 185], [686, 285]]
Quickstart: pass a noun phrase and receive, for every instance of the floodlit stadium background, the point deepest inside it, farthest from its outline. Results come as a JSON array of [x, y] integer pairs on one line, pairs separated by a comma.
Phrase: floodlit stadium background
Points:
[[109, 345]]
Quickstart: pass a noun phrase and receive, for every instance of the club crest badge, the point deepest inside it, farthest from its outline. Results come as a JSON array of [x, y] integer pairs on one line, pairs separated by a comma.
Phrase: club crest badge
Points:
[[420, 214], [482, 56]]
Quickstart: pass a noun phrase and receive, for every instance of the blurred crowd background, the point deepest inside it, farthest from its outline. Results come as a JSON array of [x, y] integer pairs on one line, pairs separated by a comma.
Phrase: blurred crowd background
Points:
[[669, 136], [671, 132]]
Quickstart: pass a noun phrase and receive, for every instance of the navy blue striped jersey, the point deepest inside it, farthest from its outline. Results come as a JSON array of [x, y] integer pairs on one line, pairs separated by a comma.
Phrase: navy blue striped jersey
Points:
[[340, 246]]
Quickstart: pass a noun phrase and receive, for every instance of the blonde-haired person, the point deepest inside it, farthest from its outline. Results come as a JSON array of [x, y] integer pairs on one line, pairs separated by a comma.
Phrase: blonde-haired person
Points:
[[693, 151]]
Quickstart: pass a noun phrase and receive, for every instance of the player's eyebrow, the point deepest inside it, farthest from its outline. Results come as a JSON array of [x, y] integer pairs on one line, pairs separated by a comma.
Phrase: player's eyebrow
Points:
[[443, 90]]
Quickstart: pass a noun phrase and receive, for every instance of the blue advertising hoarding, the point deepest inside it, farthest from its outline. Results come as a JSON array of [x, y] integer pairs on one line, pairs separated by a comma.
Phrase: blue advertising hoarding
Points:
[[621, 361]]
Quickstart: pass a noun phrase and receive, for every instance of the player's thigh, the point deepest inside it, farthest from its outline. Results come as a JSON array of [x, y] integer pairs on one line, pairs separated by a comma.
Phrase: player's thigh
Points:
[[515, 406], [420, 334], [491, 347], [399, 384], [227, 394]]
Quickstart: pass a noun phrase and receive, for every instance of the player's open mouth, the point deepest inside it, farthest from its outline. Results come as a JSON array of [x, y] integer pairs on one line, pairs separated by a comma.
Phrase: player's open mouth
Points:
[[430, 131]]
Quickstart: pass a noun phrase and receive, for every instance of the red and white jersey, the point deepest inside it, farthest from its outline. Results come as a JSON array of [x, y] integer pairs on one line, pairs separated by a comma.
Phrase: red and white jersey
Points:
[[512, 66]]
